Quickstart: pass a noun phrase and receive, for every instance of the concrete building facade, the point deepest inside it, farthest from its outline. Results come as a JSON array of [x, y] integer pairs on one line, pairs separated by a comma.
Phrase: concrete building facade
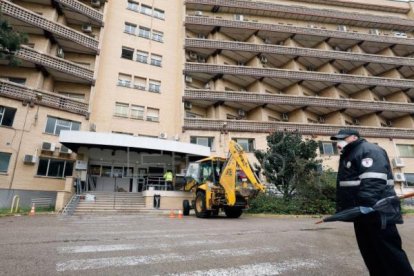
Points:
[[201, 72]]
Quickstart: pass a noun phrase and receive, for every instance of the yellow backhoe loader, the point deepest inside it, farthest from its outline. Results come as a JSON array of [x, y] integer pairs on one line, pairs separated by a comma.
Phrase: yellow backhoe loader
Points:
[[221, 183]]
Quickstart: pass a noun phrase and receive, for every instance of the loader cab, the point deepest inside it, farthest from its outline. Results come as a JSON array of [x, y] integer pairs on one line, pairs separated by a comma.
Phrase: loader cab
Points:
[[205, 170]]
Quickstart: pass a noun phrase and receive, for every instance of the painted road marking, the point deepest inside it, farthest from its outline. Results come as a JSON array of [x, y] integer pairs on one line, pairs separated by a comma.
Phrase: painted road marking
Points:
[[85, 264], [255, 269]]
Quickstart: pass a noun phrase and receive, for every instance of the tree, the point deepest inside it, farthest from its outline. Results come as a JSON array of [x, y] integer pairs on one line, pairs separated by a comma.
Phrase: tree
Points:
[[289, 162], [10, 41]]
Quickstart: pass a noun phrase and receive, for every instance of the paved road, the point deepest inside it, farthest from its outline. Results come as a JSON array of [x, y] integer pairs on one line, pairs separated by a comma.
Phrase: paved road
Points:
[[158, 245]]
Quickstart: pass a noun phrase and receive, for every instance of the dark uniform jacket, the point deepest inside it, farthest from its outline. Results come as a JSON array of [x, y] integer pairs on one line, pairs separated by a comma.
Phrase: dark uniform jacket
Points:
[[364, 177]]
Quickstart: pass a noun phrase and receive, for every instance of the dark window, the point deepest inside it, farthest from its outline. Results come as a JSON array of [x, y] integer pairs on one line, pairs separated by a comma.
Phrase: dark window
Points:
[[4, 161], [7, 115], [18, 80], [203, 141], [246, 143], [54, 168], [127, 53], [409, 177]]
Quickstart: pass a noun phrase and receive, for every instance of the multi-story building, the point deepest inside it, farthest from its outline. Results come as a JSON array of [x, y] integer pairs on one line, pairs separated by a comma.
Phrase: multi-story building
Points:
[[124, 74]]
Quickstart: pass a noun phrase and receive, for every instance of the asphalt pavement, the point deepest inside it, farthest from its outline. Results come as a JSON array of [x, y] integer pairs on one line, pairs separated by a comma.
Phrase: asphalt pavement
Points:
[[151, 244]]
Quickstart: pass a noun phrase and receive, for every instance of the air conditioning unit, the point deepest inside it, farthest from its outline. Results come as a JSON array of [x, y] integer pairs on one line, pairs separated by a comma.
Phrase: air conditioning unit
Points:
[[198, 13], [29, 159], [399, 177], [163, 135], [321, 119], [188, 105], [65, 150], [96, 3], [241, 113], [60, 53], [356, 122], [342, 71], [188, 79], [46, 146], [285, 117], [239, 17], [342, 28], [397, 162], [388, 123], [86, 28], [92, 127], [374, 31], [263, 59], [193, 55]]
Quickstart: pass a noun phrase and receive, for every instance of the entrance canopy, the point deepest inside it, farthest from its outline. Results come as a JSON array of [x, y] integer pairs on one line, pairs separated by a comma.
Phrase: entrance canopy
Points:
[[76, 139]]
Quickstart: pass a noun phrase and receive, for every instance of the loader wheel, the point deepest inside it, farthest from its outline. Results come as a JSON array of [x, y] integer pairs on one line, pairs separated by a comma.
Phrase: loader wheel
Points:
[[200, 206], [186, 207], [233, 212]]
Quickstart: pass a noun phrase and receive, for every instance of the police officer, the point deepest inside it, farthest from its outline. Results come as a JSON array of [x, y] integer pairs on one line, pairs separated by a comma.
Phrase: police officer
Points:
[[364, 177]]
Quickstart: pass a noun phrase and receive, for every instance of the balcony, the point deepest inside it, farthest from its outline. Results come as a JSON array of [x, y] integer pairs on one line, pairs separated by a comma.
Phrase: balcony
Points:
[[376, 64], [306, 36], [22, 93], [282, 79], [76, 8], [206, 98], [55, 66], [67, 38], [294, 12], [305, 129]]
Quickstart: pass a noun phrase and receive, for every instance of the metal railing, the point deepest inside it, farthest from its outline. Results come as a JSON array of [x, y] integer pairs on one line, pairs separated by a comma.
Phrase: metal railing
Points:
[[70, 207], [302, 128], [83, 9]]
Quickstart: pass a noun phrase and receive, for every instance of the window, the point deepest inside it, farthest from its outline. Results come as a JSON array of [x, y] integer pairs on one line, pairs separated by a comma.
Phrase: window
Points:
[[4, 161], [73, 95], [142, 57], [21, 81], [144, 32], [55, 125], [157, 36], [140, 83], [124, 80], [133, 6], [409, 178], [159, 14], [328, 148], [154, 86], [137, 112], [153, 115], [406, 150], [231, 117], [146, 10], [193, 115], [130, 28], [246, 143], [54, 167], [121, 109], [156, 60], [7, 116], [273, 119], [203, 141], [127, 53]]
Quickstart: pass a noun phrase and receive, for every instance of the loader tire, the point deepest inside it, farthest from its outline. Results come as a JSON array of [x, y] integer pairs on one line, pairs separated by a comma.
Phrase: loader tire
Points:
[[186, 208], [233, 212], [200, 206]]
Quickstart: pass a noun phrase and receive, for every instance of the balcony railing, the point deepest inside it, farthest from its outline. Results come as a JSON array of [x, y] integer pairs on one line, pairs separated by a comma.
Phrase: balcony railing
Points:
[[295, 51], [321, 15], [260, 99], [34, 19], [83, 9], [296, 75], [19, 92], [253, 26], [59, 64], [306, 129]]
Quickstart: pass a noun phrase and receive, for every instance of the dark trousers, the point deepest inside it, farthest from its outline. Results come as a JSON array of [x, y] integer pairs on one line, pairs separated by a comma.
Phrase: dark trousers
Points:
[[381, 248]]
